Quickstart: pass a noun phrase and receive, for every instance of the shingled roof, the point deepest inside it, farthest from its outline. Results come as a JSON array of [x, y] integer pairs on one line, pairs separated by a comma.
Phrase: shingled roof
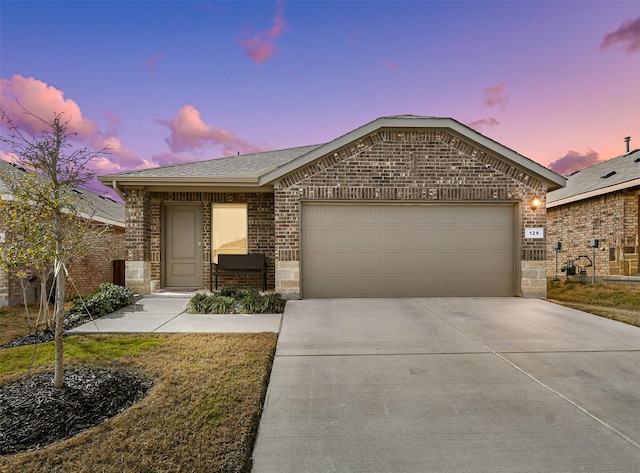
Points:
[[98, 208], [247, 166], [622, 172], [261, 170]]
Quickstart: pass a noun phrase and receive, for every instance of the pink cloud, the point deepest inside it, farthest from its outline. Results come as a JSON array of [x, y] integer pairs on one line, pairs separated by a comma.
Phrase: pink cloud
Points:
[[120, 156], [627, 34], [190, 132], [483, 123], [153, 60], [389, 65], [261, 46], [43, 101], [169, 159], [574, 161], [496, 96]]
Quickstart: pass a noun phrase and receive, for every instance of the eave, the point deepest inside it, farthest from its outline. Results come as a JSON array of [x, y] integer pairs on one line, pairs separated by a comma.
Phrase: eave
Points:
[[595, 193]]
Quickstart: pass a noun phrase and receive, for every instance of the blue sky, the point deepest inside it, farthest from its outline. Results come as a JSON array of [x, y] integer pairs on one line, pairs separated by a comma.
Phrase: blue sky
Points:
[[163, 82]]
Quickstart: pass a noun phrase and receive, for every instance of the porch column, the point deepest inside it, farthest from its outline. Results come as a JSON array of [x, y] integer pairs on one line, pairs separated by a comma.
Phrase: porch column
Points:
[[138, 240]]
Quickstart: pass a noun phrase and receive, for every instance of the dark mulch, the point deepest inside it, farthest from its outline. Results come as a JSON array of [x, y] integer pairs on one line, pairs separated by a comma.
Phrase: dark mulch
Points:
[[34, 414], [47, 335]]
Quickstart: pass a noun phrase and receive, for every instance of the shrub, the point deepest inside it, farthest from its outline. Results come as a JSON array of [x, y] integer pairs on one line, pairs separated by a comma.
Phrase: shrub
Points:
[[236, 301], [106, 299]]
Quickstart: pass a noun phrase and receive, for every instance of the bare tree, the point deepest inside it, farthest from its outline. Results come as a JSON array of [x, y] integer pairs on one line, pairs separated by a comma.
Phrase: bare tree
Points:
[[48, 222]]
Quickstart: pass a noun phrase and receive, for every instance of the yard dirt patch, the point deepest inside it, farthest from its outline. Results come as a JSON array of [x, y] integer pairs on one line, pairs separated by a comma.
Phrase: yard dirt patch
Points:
[[201, 414]]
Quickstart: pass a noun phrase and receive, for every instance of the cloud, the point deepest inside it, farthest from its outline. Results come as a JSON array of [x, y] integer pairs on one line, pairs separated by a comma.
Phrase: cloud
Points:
[[627, 34], [43, 101], [574, 161], [169, 159], [483, 123], [389, 65], [189, 132], [261, 45], [153, 60], [496, 96]]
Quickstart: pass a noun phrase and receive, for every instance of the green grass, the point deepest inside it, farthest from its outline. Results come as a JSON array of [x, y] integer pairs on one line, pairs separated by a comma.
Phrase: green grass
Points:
[[614, 301], [201, 414]]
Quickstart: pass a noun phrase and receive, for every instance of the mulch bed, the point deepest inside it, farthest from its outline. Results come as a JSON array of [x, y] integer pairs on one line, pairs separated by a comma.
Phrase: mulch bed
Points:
[[34, 414], [47, 335]]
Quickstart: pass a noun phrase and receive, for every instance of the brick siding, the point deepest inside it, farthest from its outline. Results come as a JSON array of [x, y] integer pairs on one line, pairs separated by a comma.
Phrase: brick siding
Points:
[[85, 274], [260, 238], [406, 165], [610, 218]]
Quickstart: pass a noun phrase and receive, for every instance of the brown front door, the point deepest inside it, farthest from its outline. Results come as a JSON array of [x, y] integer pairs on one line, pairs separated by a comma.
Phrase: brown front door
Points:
[[183, 245]]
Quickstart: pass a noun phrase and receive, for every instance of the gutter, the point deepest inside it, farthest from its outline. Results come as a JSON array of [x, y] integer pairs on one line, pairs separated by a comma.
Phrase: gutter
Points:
[[594, 193]]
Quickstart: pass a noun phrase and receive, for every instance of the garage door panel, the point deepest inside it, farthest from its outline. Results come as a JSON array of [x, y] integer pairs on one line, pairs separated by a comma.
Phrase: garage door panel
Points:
[[367, 250]]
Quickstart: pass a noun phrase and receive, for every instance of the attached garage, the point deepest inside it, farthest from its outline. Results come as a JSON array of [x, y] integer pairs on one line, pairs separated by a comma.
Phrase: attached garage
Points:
[[408, 250]]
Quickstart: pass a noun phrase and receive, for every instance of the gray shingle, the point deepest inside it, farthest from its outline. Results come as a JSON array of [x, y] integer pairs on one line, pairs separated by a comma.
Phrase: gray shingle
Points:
[[101, 208], [247, 165], [592, 179]]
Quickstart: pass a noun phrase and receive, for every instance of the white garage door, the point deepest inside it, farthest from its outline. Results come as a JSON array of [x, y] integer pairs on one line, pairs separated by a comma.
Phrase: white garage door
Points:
[[369, 250]]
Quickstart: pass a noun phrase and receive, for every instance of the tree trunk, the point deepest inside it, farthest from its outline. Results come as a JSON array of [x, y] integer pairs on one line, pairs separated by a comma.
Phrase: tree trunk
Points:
[[58, 376]]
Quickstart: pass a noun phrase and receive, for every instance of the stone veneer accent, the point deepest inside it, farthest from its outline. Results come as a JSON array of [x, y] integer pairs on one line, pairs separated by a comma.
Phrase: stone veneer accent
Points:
[[611, 218], [534, 280], [406, 165]]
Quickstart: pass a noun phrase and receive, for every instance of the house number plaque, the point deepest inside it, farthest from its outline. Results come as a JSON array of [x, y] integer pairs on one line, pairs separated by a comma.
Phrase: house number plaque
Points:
[[534, 232]]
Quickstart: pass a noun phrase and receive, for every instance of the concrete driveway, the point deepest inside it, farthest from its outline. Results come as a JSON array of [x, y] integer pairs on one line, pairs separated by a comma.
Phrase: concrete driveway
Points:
[[450, 385]]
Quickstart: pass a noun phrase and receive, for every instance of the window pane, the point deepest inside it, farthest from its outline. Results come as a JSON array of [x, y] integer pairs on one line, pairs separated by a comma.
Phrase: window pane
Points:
[[229, 229]]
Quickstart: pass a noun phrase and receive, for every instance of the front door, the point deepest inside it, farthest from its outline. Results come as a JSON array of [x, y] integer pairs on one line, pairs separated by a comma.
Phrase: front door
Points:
[[183, 245]]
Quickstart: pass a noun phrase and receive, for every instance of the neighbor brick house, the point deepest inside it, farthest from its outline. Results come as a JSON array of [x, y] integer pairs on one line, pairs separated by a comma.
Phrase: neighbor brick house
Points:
[[600, 202], [402, 206], [91, 270]]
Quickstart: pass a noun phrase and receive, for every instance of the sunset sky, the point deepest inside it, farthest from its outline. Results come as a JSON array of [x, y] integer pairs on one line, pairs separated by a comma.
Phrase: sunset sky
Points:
[[166, 82]]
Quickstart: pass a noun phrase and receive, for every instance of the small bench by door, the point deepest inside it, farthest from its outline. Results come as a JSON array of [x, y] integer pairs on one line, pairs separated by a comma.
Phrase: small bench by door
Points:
[[228, 265]]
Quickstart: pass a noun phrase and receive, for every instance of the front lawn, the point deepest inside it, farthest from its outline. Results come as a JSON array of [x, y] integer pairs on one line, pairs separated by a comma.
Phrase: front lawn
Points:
[[201, 414], [613, 301]]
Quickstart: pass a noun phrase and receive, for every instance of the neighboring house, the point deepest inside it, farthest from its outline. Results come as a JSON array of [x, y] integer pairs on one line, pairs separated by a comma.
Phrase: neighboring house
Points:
[[402, 206], [90, 271], [600, 202]]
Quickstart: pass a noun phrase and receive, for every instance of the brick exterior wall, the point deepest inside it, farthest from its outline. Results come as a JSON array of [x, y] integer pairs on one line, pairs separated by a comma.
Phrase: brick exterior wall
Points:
[[85, 274], [407, 165], [97, 267], [610, 218], [261, 233]]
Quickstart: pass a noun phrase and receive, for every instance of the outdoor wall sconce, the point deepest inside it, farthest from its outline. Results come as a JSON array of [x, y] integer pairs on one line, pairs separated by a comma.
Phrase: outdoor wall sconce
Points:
[[535, 203]]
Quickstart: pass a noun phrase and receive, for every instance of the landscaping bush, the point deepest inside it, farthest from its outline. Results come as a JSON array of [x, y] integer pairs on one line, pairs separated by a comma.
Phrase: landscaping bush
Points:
[[236, 301], [106, 299]]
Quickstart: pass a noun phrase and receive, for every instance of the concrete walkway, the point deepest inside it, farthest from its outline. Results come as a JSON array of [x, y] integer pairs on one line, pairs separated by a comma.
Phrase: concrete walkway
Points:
[[164, 313], [450, 385]]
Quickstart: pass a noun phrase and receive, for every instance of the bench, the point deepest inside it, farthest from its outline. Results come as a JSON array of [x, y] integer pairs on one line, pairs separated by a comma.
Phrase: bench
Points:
[[239, 264]]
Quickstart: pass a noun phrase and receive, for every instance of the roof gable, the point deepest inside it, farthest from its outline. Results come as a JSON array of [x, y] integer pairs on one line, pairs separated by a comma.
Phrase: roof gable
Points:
[[550, 178], [615, 174], [266, 168]]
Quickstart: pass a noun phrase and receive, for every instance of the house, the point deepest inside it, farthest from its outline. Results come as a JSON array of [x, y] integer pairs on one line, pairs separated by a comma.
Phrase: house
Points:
[[599, 203], [402, 206], [101, 264]]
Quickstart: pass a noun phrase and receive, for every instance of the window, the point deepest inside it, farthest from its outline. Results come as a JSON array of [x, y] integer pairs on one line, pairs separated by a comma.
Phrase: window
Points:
[[228, 229]]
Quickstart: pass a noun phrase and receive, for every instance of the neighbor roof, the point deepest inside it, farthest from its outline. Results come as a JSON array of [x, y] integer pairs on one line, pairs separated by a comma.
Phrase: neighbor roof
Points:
[[263, 169], [622, 172], [98, 208]]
